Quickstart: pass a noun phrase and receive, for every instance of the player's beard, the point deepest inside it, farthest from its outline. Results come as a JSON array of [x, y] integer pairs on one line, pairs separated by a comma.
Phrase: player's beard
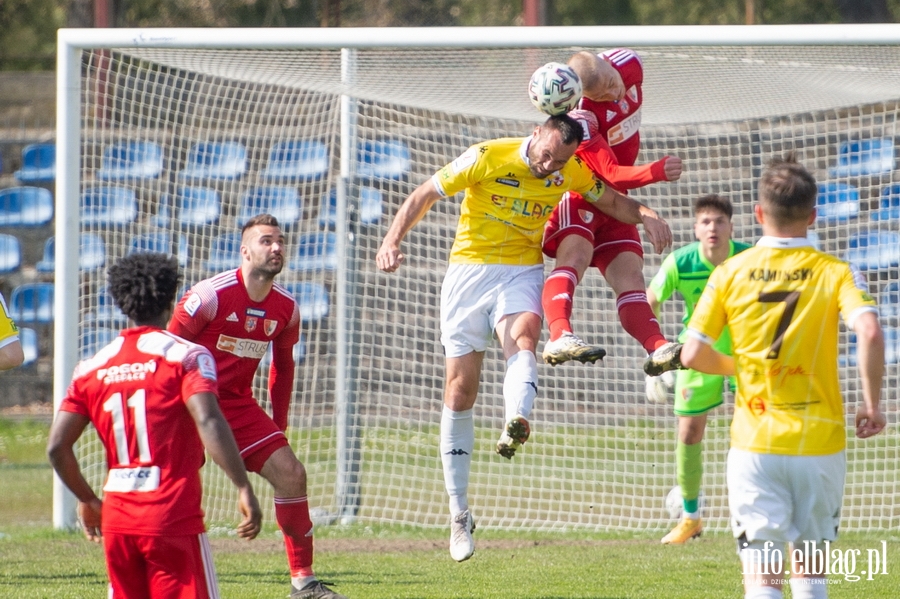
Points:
[[270, 268]]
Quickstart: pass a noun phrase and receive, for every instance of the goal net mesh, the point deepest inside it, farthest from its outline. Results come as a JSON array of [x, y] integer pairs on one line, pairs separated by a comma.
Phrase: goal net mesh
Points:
[[601, 457]]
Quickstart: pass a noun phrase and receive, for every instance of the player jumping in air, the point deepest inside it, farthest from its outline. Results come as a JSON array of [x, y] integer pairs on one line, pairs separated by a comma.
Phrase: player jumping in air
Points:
[[493, 283], [578, 235], [686, 271]]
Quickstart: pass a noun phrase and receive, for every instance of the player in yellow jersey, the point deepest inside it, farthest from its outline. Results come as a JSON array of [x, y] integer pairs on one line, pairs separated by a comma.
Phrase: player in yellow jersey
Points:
[[494, 280], [11, 354], [782, 300]]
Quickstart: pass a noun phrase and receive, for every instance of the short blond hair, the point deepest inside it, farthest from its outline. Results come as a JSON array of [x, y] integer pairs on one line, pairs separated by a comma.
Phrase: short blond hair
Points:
[[589, 68]]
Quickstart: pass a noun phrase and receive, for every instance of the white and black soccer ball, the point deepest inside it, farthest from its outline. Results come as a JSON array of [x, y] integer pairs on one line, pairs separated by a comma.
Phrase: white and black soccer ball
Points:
[[554, 88], [674, 504]]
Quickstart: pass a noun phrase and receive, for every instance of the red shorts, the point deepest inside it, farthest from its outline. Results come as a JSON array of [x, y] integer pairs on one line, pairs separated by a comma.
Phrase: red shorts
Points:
[[169, 567], [577, 216], [257, 435]]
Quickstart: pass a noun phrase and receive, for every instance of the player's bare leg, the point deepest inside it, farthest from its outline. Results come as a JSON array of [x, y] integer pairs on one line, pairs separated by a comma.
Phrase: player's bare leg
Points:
[[457, 442], [572, 259], [288, 479], [689, 459], [518, 335]]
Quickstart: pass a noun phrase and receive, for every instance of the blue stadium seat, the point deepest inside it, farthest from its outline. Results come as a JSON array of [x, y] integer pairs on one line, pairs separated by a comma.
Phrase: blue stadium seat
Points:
[[25, 206], [837, 202], [161, 242], [224, 252], [872, 250], [864, 157], [47, 264], [297, 160], [889, 207], [108, 205], [313, 300], [281, 202], [382, 159], [197, 206], [32, 302], [106, 313], [95, 338], [29, 340], [889, 300], [299, 353], [10, 254], [128, 160], [370, 207], [38, 164], [215, 160], [315, 251], [92, 254]]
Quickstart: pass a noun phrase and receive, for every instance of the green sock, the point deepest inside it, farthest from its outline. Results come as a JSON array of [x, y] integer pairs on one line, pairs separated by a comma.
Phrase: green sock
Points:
[[689, 459]]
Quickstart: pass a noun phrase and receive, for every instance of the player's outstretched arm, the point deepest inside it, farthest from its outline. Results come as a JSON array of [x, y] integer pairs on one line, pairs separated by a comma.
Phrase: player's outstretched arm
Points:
[[602, 161], [66, 429], [389, 257], [219, 441], [870, 420]]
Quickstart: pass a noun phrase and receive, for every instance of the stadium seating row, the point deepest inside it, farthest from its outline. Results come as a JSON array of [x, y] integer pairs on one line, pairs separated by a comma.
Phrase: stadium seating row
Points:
[[839, 202], [33, 303], [110, 205], [314, 251], [308, 159], [291, 160]]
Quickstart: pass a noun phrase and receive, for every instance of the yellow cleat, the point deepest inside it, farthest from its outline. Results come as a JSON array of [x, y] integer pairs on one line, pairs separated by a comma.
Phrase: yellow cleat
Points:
[[686, 530]]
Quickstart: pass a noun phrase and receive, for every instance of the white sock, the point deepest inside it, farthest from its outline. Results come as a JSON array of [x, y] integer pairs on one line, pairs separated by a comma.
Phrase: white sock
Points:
[[808, 588], [457, 444], [520, 385], [763, 593], [301, 581]]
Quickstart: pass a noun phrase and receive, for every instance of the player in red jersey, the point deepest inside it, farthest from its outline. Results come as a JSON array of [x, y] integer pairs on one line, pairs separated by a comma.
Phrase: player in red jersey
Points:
[[236, 314], [151, 396], [578, 235]]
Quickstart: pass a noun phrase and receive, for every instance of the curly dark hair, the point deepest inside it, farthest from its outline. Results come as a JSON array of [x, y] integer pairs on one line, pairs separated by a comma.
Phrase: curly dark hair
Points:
[[143, 284]]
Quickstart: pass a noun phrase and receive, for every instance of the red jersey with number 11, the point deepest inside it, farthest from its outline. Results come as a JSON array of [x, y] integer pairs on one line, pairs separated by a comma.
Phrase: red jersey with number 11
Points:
[[134, 392]]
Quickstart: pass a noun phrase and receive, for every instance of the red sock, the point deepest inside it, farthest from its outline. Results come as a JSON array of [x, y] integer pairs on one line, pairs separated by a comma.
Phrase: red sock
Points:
[[559, 291], [638, 319], [292, 516]]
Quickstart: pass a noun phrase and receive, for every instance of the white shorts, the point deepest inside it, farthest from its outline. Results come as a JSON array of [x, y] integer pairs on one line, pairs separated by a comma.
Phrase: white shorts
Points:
[[474, 297], [785, 498]]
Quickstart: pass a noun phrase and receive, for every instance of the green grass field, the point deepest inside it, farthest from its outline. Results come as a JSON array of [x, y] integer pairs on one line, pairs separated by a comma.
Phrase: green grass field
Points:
[[382, 562]]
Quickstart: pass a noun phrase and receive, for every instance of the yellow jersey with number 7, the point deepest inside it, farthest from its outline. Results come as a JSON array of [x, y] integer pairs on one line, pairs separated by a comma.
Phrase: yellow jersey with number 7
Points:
[[782, 300]]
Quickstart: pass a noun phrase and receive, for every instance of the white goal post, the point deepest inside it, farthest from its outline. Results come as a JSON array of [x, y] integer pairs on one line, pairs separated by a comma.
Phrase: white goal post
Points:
[[183, 130]]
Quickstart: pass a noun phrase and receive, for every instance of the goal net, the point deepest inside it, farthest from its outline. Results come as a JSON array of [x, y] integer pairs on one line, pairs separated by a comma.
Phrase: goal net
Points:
[[172, 138]]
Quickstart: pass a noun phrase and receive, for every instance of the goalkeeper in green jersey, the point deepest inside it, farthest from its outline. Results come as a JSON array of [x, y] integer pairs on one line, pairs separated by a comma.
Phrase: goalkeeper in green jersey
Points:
[[686, 270]]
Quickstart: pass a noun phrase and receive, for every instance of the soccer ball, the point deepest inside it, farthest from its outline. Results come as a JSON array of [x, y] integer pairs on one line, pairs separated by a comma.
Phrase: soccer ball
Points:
[[674, 504], [554, 88]]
